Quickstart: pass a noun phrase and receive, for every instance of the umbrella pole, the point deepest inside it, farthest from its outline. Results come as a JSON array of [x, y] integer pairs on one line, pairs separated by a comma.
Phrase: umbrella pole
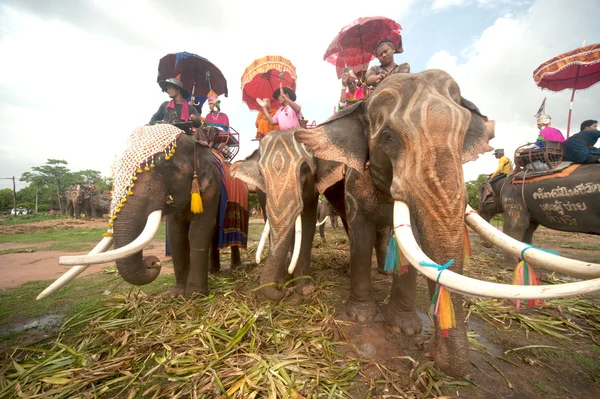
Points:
[[571, 104], [362, 51]]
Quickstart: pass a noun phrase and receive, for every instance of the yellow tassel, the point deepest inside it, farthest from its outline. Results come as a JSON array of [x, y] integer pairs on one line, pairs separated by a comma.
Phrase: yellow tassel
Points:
[[113, 217], [110, 224], [167, 157], [172, 151], [124, 200], [446, 315], [152, 164], [107, 234], [138, 170], [196, 206], [117, 210], [132, 185], [146, 168], [129, 192], [134, 178], [174, 145]]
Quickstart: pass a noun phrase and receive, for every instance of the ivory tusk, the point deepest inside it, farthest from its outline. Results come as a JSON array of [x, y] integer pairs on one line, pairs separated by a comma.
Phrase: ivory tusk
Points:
[[133, 247], [470, 286], [297, 245], [75, 271], [263, 240], [534, 256], [324, 220]]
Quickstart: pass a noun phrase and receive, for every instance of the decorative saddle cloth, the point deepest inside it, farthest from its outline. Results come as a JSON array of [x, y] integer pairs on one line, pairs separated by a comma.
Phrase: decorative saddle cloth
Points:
[[564, 169], [232, 224]]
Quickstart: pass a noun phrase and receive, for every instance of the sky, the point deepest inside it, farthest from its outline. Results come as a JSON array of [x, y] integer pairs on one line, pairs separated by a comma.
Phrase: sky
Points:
[[76, 77]]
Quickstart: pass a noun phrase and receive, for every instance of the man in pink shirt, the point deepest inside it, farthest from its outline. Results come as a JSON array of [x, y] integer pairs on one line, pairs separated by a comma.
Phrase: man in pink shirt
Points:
[[547, 132], [289, 113]]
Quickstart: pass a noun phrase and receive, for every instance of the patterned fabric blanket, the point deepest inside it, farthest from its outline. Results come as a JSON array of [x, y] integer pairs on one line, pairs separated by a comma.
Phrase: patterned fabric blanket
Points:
[[232, 225]]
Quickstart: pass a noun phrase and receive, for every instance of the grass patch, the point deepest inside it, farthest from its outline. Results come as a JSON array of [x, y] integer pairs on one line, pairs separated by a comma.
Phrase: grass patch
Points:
[[80, 294], [33, 218], [57, 235], [17, 250]]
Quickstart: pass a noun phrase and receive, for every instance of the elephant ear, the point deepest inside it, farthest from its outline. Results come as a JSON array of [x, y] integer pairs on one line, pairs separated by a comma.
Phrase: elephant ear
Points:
[[480, 132], [342, 138], [328, 173], [248, 171]]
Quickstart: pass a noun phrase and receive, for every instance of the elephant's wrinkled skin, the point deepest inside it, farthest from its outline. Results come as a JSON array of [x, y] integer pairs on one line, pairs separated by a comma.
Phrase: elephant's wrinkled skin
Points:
[[167, 187], [569, 203], [407, 142]]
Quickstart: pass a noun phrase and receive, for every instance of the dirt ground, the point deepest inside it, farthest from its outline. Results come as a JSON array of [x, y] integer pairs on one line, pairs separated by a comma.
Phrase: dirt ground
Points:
[[571, 370]]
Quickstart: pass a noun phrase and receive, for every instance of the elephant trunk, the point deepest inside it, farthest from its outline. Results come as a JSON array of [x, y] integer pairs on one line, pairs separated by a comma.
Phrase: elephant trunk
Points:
[[273, 273], [127, 227]]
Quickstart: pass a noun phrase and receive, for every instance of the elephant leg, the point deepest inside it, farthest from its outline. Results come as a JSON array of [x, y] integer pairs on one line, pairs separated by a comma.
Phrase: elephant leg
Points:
[[361, 305], [179, 248], [202, 232], [517, 228], [236, 257], [322, 232], [382, 237], [215, 256], [401, 309], [528, 236], [309, 216]]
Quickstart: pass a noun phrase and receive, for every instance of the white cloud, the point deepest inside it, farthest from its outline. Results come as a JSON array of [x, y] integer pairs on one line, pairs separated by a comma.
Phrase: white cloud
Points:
[[441, 4], [497, 73], [82, 76]]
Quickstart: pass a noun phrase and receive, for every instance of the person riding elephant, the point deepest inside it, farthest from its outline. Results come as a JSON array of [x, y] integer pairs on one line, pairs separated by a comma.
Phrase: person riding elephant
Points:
[[405, 146], [263, 127], [580, 146], [385, 51], [289, 114], [155, 175], [177, 110]]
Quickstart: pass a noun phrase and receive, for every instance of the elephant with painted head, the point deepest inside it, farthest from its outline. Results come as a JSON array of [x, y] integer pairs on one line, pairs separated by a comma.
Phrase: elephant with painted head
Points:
[[154, 176]]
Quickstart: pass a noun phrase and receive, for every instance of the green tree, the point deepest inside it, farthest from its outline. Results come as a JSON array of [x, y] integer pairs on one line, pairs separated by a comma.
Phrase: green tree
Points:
[[472, 188], [53, 171], [6, 198], [90, 176]]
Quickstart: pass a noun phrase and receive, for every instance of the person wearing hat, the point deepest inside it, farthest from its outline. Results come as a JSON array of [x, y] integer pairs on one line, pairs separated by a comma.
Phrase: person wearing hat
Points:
[[177, 109], [289, 113], [547, 133], [385, 51], [504, 166], [215, 117], [351, 91]]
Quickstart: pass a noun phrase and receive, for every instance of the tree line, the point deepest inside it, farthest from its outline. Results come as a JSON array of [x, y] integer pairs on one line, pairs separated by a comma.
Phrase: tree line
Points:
[[47, 184]]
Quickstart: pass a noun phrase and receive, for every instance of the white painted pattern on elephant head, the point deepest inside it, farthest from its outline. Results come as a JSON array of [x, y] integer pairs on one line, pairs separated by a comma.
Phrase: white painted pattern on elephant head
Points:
[[431, 128], [281, 160]]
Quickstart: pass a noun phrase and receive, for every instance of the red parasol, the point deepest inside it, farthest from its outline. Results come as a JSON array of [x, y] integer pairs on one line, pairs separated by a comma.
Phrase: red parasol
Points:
[[198, 75], [576, 70], [262, 78], [355, 45]]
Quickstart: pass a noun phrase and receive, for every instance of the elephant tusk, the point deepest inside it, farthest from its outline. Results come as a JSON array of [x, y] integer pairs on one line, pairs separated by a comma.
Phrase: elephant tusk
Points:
[[75, 271], [297, 245], [323, 221], [263, 240], [133, 247], [470, 286], [535, 256]]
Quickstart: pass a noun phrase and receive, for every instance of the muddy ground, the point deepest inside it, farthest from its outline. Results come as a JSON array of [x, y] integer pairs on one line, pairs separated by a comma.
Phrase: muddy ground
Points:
[[508, 359]]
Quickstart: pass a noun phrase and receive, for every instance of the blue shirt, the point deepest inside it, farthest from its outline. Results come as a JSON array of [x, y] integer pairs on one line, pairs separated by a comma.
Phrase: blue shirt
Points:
[[578, 145]]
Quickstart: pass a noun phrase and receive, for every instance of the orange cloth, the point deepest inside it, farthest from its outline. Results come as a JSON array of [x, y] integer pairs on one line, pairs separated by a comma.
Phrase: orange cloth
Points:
[[262, 124]]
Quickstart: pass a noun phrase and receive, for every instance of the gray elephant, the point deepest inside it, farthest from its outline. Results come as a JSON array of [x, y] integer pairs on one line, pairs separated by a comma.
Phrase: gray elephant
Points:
[[77, 202], [98, 205], [406, 145], [291, 178], [565, 203], [175, 164], [325, 212]]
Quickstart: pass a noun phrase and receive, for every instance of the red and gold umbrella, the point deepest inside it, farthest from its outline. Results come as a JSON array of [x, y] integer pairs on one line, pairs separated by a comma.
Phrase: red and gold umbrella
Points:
[[355, 45], [576, 70], [262, 78]]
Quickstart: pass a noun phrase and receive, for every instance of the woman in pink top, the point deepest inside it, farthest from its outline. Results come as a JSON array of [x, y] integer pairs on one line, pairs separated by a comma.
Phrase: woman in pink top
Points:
[[547, 132], [289, 113]]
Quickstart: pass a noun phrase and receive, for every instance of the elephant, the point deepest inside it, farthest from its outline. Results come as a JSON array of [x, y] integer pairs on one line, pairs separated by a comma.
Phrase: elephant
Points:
[[325, 210], [570, 203], [406, 144], [98, 205], [77, 202], [291, 178], [176, 163]]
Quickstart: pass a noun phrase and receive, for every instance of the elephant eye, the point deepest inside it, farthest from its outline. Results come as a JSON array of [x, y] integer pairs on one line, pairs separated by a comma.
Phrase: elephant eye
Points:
[[387, 135]]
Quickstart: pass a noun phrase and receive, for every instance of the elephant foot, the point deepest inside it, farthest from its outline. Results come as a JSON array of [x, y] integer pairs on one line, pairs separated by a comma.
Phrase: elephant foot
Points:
[[305, 289], [409, 322], [177, 290], [361, 312], [272, 292], [451, 354], [235, 264], [192, 291]]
